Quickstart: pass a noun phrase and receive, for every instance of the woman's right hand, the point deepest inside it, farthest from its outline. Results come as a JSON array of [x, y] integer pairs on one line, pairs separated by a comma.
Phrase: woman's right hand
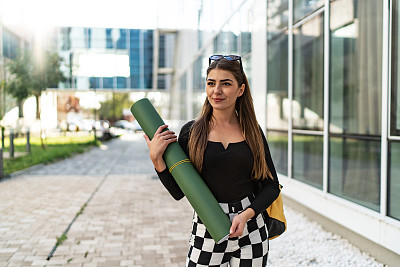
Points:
[[158, 145]]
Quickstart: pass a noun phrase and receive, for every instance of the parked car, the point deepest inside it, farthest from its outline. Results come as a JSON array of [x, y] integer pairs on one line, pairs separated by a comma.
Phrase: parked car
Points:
[[137, 126], [124, 124]]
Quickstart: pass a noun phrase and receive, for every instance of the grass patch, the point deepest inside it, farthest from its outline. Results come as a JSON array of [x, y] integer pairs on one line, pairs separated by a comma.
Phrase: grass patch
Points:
[[61, 239], [57, 148]]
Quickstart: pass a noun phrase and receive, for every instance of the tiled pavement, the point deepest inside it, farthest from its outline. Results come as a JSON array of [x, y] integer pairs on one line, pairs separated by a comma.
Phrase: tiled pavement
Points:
[[129, 219]]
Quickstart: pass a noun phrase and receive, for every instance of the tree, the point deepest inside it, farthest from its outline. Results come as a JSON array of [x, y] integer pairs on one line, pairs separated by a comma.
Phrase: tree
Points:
[[30, 77], [46, 74], [33, 77], [112, 108], [20, 82]]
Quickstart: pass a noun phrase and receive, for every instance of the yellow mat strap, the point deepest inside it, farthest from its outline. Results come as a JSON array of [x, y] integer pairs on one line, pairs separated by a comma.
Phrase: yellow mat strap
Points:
[[178, 163]]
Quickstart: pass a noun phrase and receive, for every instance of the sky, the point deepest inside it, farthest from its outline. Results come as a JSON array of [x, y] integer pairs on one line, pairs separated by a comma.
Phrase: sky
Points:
[[138, 14]]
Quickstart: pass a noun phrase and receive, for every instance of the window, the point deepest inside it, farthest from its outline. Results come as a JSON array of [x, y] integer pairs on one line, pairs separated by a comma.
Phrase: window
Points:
[[394, 180], [308, 71], [355, 101], [356, 67], [395, 92], [394, 145], [355, 170], [308, 159], [182, 96], [277, 83], [161, 81], [277, 17], [108, 82], [198, 82], [10, 44], [304, 7], [121, 82], [278, 146]]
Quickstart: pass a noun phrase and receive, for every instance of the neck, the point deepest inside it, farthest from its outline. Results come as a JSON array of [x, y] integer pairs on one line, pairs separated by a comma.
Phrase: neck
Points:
[[224, 117]]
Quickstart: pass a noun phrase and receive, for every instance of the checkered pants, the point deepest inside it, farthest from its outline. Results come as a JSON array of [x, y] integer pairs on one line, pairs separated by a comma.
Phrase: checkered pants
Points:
[[249, 250]]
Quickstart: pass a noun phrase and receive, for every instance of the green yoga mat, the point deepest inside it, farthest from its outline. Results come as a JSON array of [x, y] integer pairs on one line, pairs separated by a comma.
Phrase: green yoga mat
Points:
[[186, 176]]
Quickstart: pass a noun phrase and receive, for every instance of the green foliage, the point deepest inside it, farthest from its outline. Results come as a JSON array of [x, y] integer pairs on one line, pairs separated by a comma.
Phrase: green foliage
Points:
[[57, 148], [32, 77], [20, 82], [111, 109], [61, 239], [81, 210]]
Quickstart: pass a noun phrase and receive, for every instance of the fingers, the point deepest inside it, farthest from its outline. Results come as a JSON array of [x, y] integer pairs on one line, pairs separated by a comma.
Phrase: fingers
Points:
[[164, 135], [233, 228], [147, 140], [237, 227], [160, 129]]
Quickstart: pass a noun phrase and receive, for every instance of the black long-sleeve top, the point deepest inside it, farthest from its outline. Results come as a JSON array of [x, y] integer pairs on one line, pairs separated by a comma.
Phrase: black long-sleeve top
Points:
[[227, 173]]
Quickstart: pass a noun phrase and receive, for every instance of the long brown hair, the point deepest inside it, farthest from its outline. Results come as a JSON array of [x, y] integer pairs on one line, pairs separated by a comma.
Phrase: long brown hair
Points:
[[247, 119]]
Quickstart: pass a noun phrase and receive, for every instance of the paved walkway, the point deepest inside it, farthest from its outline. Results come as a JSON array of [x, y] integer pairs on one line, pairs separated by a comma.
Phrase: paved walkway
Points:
[[125, 217]]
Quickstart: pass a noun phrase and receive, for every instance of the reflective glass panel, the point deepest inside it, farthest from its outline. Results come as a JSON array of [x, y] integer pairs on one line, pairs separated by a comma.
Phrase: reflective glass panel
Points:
[[354, 170], [308, 74], [278, 146], [247, 70], [198, 82], [308, 159], [10, 44], [246, 22], [277, 83], [65, 39], [277, 16], [161, 81], [121, 82], [394, 180], [304, 7], [108, 82], [182, 97], [395, 92], [356, 66]]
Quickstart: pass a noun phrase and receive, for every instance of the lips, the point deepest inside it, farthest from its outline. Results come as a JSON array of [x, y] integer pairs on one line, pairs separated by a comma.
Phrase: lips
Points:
[[218, 99]]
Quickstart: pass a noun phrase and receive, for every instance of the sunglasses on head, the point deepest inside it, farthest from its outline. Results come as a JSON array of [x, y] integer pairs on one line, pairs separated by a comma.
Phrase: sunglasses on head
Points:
[[228, 57]]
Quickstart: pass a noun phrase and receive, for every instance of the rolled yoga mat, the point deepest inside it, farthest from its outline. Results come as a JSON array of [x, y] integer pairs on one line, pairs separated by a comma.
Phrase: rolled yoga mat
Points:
[[185, 174]]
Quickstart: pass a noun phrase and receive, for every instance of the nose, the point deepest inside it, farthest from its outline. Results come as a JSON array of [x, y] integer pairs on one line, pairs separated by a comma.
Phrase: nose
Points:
[[218, 89]]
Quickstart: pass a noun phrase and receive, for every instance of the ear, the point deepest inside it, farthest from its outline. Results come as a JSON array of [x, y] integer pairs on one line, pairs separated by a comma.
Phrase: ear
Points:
[[241, 90]]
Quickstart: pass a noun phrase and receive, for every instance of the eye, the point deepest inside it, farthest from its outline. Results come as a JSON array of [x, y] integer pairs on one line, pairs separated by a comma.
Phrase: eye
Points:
[[210, 83], [227, 84]]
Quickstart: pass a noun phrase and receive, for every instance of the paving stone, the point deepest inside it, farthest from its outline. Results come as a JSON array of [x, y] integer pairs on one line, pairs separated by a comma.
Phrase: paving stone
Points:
[[131, 220]]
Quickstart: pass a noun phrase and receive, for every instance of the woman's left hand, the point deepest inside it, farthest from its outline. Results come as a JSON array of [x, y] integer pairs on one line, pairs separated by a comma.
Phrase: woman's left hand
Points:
[[239, 222]]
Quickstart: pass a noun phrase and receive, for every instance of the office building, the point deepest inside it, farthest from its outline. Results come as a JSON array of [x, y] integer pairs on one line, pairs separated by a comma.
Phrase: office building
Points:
[[116, 59], [324, 78]]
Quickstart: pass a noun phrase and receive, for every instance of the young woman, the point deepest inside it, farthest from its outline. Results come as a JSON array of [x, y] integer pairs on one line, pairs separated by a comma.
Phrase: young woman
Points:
[[227, 147]]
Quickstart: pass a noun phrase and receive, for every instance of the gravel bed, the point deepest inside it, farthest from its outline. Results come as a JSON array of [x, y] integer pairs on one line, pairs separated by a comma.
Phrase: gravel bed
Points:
[[306, 243]]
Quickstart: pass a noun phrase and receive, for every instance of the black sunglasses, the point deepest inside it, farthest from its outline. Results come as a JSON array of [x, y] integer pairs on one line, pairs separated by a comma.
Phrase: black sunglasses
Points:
[[228, 57]]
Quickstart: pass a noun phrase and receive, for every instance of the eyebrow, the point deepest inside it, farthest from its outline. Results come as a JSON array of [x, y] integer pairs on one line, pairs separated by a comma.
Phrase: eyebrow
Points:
[[224, 80]]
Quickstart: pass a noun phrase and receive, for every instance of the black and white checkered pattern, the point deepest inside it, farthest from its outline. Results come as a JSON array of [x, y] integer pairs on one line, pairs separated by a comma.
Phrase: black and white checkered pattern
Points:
[[251, 249]]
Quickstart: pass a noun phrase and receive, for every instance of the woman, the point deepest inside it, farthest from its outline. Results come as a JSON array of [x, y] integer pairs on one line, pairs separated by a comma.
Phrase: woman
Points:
[[227, 147]]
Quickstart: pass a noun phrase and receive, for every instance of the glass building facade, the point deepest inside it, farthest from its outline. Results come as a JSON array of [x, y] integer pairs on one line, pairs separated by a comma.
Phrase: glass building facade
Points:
[[11, 44], [101, 58], [325, 85], [353, 91]]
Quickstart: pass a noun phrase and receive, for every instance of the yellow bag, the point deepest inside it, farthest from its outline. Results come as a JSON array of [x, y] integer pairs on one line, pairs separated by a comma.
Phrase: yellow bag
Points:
[[276, 221]]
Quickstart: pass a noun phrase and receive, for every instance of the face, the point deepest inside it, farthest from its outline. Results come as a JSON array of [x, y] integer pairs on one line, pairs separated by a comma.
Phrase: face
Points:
[[222, 89]]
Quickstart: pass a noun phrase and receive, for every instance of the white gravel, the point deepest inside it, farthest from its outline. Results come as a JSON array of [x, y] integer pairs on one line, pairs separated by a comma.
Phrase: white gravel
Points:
[[306, 243]]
